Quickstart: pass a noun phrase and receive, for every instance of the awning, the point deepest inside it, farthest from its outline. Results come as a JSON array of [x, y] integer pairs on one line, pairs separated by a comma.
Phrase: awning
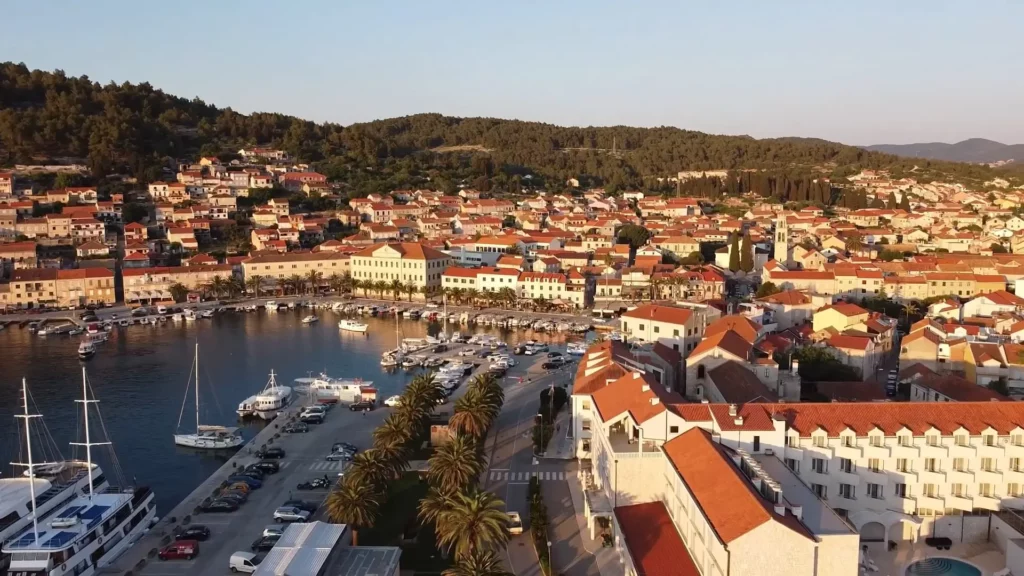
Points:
[[132, 296]]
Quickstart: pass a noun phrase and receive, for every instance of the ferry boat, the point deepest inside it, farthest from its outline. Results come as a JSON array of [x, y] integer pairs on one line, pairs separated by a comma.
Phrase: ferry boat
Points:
[[311, 319], [341, 389], [75, 529], [352, 325], [268, 402], [206, 436], [86, 350]]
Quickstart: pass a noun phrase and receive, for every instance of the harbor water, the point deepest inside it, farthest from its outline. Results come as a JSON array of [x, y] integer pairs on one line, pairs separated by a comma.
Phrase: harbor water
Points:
[[140, 377]]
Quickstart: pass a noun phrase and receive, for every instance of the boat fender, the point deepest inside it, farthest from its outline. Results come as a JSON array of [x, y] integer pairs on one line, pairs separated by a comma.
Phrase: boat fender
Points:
[[63, 567]]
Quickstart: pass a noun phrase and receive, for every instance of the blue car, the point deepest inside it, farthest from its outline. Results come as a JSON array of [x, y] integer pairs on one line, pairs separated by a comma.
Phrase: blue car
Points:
[[249, 480]]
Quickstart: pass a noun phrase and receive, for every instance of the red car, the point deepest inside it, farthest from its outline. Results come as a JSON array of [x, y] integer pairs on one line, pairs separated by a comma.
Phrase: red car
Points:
[[187, 549]]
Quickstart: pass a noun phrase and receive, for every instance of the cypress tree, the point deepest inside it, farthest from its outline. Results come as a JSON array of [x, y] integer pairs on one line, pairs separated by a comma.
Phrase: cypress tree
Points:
[[734, 252], [746, 253]]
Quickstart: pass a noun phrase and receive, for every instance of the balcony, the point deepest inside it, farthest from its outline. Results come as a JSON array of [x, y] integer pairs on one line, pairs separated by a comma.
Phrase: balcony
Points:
[[901, 504], [908, 452], [874, 477], [625, 447], [1014, 450], [847, 477], [960, 477], [986, 451], [986, 502], [959, 451], [929, 502], [850, 452], [931, 477], [877, 451], [964, 503], [795, 453], [931, 451], [988, 477], [908, 476], [1013, 476]]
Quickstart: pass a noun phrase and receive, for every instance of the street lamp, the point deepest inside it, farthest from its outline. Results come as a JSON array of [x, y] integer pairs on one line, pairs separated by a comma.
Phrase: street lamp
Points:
[[549, 557]]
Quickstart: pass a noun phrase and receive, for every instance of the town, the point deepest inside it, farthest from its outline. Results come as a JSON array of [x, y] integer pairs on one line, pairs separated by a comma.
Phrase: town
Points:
[[749, 386]]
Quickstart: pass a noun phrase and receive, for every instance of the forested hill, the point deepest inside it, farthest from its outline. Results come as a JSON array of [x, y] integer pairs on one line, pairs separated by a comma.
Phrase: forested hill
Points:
[[134, 129]]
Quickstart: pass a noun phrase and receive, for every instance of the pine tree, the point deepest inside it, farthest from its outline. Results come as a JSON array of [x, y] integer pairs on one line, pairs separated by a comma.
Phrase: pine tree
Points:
[[734, 252], [746, 254]]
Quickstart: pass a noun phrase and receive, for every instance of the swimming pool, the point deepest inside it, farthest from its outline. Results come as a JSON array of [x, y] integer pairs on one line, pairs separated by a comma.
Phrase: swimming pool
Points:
[[942, 567]]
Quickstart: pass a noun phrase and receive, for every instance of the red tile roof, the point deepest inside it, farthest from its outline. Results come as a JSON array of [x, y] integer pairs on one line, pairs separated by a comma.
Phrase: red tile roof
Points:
[[729, 341], [653, 542], [639, 394], [738, 385], [669, 314], [891, 417], [741, 325]]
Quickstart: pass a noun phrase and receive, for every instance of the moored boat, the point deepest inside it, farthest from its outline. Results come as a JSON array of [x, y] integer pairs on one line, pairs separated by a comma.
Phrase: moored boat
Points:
[[311, 319], [352, 325]]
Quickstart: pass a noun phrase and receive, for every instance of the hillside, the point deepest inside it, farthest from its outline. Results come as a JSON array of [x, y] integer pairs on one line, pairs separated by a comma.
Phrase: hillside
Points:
[[974, 150], [136, 129]]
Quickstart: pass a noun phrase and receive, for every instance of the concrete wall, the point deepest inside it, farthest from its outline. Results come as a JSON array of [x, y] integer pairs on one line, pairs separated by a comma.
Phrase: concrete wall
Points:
[[757, 552], [967, 529], [838, 555]]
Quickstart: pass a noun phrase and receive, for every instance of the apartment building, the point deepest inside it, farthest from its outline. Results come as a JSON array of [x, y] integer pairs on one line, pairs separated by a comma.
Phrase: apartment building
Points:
[[274, 267], [407, 262], [678, 328], [815, 480], [35, 287], [153, 284], [549, 286]]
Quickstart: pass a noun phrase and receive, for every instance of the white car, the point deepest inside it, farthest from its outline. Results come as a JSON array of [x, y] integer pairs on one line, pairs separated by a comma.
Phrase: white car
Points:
[[290, 514], [393, 401], [467, 352]]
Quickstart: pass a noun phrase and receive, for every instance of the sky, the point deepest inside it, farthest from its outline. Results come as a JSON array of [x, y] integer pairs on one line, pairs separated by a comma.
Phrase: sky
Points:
[[862, 72]]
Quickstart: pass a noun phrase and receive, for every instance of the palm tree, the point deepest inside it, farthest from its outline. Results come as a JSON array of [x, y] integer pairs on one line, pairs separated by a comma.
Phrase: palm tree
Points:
[[437, 502], [373, 466], [456, 464], [179, 292], [347, 284], [313, 280], [411, 288], [380, 287], [475, 522], [509, 296], [472, 294], [334, 282], [448, 294], [478, 563], [353, 502], [459, 294], [254, 283], [358, 284], [392, 431], [473, 413], [295, 282], [396, 287], [217, 286]]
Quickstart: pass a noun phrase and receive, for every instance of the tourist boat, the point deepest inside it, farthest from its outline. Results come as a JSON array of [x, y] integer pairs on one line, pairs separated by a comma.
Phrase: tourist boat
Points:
[[76, 523], [268, 402], [352, 325], [340, 389], [206, 436], [311, 319], [86, 350]]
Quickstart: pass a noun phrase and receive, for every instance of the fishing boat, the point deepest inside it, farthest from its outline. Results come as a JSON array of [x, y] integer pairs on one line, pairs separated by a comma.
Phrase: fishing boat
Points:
[[206, 436], [311, 319], [268, 402], [77, 523], [323, 386], [352, 325]]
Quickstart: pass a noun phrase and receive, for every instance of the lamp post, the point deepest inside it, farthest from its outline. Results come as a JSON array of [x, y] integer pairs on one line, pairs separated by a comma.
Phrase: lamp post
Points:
[[550, 569]]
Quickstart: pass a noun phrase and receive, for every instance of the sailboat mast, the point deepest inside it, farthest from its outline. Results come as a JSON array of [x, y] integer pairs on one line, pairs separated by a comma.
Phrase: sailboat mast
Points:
[[31, 467], [197, 387], [88, 444]]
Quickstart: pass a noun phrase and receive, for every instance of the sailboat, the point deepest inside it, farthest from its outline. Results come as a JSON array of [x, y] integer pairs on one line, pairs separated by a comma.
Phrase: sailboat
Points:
[[81, 533], [206, 436], [393, 358]]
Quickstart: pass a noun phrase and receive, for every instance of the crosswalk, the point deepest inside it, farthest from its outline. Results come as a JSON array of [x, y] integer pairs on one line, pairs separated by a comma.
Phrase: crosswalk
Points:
[[327, 465], [525, 476]]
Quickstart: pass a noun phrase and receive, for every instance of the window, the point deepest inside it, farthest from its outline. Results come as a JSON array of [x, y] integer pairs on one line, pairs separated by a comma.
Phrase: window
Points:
[[673, 429], [930, 490], [848, 491], [792, 441], [988, 464], [675, 332], [963, 440], [819, 465], [934, 440], [793, 465], [1013, 490], [906, 440], [821, 441], [876, 491], [849, 441], [960, 464], [931, 465], [877, 440], [757, 443], [1015, 464], [990, 440], [958, 490], [847, 465], [901, 491], [987, 490], [875, 464], [820, 491], [657, 329]]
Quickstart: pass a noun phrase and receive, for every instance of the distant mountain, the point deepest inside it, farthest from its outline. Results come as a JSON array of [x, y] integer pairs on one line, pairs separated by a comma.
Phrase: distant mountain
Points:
[[974, 150]]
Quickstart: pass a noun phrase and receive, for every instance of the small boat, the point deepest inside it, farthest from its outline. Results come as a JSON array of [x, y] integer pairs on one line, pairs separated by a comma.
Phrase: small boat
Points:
[[271, 305], [576, 348], [388, 361], [352, 325], [76, 331], [410, 362], [86, 350], [206, 436], [311, 319], [206, 314]]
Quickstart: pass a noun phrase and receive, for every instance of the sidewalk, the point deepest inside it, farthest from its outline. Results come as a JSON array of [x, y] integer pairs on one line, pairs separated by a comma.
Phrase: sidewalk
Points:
[[562, 446], [607, 559]]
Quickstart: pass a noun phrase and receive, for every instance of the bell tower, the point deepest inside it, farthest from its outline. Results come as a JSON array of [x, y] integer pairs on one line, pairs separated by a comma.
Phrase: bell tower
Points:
[[781, 254]]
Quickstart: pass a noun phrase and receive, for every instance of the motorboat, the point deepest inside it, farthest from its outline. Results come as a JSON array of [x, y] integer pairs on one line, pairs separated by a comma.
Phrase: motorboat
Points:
[[311, 319], [66, 514], [206, 314], [341, 389], [268, 402], [206, 436], [410, 362], [271, 305], [352, 325], [389, 361], [86, 350], [76, 331], [576, 348]]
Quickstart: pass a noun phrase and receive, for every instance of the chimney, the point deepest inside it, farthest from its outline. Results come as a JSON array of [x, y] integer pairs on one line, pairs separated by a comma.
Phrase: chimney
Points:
[[732, 410], [758, 482], [645, 388], [655, 401], [780, 509], [738, 421], [797, 511]]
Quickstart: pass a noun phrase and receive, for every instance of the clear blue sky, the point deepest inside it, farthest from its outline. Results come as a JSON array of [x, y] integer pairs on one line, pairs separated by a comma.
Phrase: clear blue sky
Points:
[[860, 72]]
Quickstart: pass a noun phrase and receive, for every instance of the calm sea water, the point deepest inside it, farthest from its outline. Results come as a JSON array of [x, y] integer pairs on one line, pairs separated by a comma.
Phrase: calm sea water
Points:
[[140, 377]]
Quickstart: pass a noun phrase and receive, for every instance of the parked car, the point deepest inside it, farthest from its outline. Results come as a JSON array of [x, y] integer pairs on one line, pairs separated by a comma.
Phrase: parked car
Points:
[[219, 506], [554, 354], [467, 352], [182, 549], [266, 466], [241, 487], [393, 401], [440, 348], [274, 453], [515, 525], [237, 498], [252, 482], [312, 419], [343, 455], [345, 446], [195, 532], [290, 514], [244, 562], [301, 505], [273, 530], [264, 543], [296, 427], [551, 365], [257, 474], [365, 405]]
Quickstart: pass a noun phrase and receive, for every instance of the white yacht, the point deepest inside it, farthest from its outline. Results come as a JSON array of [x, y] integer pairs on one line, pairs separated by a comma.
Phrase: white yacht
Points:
[[86, 350], [352, 325], [311, 319], [206, 436], [74, 529], [271, 305], [576, 348], [341, 389], [268, 402]]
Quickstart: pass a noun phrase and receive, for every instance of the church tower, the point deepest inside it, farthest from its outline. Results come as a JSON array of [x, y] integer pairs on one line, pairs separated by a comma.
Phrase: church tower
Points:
[[781, 254]]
